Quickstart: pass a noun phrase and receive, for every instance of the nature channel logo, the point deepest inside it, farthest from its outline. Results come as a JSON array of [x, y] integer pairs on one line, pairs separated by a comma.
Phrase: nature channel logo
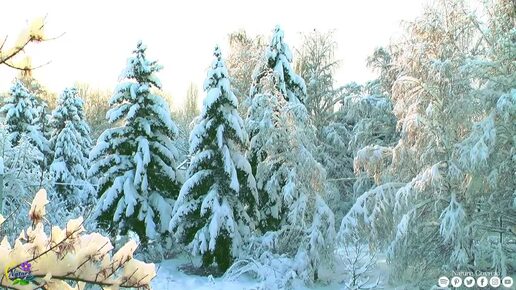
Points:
[[20, 275]]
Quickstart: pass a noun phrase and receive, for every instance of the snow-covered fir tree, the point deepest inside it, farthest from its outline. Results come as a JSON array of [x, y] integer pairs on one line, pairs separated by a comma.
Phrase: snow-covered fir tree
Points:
[[135, 163], [217, 205], [277, 61], [275, 116], [21, 117], [274, 84], [71, 145], [70, 107], [294, 217], [44, 102], [67, 167], [43, 118], [22, 120]]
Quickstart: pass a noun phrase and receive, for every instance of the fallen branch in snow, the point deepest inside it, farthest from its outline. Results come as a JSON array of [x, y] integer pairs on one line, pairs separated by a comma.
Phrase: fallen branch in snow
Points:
[[69, 255]]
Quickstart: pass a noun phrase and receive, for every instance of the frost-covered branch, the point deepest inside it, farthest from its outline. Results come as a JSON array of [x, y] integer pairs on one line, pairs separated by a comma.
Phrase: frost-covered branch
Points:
[[71, 255], [34, 33]]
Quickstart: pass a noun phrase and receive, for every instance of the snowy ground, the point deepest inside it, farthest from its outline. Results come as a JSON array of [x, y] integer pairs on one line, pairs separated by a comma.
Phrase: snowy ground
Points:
[[169, 277]]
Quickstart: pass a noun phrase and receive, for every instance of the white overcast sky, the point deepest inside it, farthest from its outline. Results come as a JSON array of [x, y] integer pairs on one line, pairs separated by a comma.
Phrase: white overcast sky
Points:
[[100, 35]]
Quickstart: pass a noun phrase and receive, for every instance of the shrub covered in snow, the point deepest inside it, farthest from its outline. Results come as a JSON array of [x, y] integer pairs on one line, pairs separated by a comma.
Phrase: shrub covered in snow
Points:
[[21, 177], [69, 258]]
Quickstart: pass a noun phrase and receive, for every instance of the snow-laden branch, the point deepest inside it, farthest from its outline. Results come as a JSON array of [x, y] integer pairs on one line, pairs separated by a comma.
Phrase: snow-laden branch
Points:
[[70, 255]]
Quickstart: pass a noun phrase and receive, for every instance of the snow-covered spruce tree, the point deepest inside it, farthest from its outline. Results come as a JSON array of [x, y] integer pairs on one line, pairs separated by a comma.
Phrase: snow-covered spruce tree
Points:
[[71, 144], [277, 61], [440, 200], [44, 102], [294, 217], [135, 163], [275, 87], [212, 213], [70, 107], [21, 117], [42, 99], [67, 168]]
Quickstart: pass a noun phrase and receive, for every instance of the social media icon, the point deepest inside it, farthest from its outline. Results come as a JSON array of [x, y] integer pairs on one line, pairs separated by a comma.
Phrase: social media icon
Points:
[[456, 282], [482, 281], [507, 282], [494, 281], [444, 282], [469, 282]]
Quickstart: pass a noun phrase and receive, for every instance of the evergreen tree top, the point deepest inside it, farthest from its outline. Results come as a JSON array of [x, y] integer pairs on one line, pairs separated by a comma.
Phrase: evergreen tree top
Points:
[[70, 108], [19, 90], [19, 103], [133, 97], [141, 69], [217, 84], [278, 62], [135, 163], [69, 103], [278, 46], [217, 70], [217, 53]]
